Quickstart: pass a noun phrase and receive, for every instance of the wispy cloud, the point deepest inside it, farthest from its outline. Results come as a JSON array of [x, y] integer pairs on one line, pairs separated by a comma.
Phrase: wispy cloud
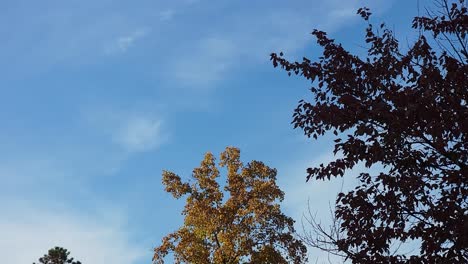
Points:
[[166, 15], [247, 40], [123, 43], [140, 133], [130, 130], [206, 64], [28, 231]]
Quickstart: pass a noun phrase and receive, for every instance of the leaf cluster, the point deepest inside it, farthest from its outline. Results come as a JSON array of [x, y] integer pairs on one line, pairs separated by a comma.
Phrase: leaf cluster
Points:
[[407, 112], [240, 223]]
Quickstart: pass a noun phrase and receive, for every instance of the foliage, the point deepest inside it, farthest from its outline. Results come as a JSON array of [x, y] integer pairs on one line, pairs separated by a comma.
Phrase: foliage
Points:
[[57, 255], [405, 111], [247, 226]]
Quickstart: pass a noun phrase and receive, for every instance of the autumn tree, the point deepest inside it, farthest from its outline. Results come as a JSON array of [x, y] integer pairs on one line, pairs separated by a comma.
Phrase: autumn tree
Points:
[[240, 223], [403, 111], [57, 255]]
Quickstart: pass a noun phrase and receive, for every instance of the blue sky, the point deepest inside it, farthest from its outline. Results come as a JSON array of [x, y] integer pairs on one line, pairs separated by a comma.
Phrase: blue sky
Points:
[[98, 97]]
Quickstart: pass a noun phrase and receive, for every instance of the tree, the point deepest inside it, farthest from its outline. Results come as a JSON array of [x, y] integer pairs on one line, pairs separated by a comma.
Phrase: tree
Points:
[[242, 224], [57, 255], [406, 112]]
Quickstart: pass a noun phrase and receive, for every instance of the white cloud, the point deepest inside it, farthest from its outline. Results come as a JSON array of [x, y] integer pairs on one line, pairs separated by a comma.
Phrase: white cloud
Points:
[[139, 133], [130, 130], [247, 39], [206, 64], [29, 231], [166, 15], [122, 44], [343, 13]]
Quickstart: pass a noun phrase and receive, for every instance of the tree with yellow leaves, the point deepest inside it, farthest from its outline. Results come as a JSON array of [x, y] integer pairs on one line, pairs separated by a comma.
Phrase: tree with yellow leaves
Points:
[[242, 224]]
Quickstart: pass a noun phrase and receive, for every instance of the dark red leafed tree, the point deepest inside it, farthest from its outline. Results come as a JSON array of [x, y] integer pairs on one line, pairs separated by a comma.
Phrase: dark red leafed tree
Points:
[[405, 111]]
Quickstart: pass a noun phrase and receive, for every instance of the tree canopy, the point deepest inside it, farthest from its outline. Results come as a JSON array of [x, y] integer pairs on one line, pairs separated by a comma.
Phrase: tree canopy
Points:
[[241, 223], [57, 255], [404, 110]]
